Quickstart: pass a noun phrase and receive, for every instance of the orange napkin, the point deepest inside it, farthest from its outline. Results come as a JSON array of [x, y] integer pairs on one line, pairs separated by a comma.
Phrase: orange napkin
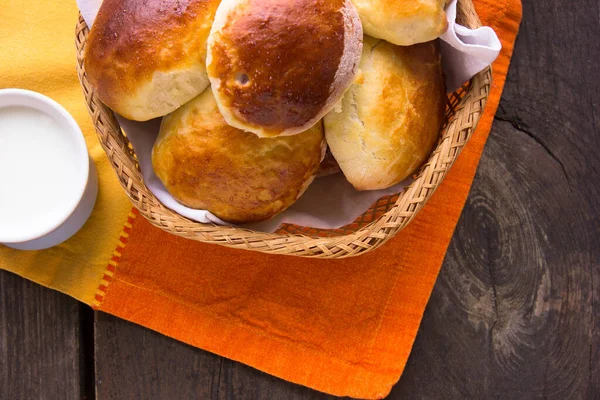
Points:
[[344, 327]]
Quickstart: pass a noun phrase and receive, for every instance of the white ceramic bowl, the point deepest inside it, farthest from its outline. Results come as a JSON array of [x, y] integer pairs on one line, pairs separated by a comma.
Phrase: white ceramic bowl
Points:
[[61, 222]]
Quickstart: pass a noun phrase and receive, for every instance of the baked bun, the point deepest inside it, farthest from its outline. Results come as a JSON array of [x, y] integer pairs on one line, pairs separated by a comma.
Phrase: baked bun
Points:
[[206, 164], [390, 118], [403, 22], [277, 66], [147, 58]]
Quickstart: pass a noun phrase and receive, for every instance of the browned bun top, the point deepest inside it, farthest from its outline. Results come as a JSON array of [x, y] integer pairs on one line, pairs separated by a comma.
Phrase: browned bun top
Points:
[[206, 164], [277, 66], [147, 58]]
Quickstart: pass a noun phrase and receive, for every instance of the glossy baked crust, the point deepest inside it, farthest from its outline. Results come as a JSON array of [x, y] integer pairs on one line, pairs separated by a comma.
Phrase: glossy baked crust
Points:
[[147, 58], [403, 22], [391, 117], [276, 67], [206, 164]]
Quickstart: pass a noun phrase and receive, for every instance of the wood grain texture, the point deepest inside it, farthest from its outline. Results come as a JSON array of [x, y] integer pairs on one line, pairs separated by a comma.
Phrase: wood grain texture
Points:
[[511, 315], [514, 311], [134, 362], [39, 342]]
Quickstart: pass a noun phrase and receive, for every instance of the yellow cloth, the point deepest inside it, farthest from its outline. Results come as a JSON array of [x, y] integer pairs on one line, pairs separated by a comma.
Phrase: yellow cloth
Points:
[[37, 52]]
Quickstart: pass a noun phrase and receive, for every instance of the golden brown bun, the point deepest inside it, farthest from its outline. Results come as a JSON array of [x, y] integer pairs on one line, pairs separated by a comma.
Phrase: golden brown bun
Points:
[[147, 58], [390, 118], [276, 67], [206, 164], [403, 22]]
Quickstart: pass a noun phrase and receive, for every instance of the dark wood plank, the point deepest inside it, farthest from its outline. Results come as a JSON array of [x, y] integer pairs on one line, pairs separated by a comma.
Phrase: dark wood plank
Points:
[[512, 314], [239, 381], [514, 311], [39, 342], [134, 362]]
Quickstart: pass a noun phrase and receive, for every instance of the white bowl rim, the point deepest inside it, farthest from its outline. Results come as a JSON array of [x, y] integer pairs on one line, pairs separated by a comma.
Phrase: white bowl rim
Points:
[[33, 100]]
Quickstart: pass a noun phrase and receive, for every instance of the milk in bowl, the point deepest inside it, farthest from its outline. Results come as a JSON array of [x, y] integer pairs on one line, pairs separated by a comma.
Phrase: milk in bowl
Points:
[[44, 168]]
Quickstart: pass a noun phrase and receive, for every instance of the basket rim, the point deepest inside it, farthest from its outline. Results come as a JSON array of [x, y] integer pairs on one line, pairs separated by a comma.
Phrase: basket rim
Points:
[[367, 238]]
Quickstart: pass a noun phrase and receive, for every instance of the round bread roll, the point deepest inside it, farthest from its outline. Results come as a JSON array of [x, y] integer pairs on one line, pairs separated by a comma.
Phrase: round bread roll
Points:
[[403, 22], [277, 66], [206, 164], [390, 118], [147, 58]]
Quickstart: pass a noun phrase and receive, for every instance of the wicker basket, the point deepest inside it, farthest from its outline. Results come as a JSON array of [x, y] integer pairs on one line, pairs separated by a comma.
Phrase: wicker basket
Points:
[[377, 225]]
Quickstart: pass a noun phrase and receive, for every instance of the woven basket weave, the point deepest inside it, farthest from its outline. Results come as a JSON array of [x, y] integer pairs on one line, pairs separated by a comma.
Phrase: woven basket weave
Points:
[[372, 229]]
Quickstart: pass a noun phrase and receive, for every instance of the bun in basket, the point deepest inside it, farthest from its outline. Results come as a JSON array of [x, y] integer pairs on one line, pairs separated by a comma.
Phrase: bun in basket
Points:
[[403, 22], [147, 58], [276, 67], [206, 164], [390, 118]]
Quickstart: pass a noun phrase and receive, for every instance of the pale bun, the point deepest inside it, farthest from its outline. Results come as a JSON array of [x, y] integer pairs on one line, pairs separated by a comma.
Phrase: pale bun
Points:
[[390, 118], [403, 22], [146, 59], [206, 164], [276, 67]]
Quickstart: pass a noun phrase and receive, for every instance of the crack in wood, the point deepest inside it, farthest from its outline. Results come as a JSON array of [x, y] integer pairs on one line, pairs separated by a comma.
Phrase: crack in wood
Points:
[[494, 296], [520, 126], [591, 353], [219, 374], [86, 338]]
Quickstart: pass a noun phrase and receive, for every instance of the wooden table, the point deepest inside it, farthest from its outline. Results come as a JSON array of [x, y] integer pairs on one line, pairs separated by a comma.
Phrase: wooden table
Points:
[[515, 313]]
